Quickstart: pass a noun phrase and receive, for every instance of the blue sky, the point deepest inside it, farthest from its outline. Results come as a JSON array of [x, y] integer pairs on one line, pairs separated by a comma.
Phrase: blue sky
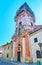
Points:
[[8, 10]]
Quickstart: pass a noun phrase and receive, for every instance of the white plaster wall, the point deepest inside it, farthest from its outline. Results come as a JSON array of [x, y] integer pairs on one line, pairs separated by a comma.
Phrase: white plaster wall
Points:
[[1, 50], [34, 46]]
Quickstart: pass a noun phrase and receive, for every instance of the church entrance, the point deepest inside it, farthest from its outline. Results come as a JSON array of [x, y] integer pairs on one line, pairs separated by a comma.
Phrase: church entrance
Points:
[[18, 56]]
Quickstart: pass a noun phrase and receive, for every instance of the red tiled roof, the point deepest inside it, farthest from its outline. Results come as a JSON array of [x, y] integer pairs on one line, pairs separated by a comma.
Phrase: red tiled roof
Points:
[[36, 28], [33, 29], [1, 47]]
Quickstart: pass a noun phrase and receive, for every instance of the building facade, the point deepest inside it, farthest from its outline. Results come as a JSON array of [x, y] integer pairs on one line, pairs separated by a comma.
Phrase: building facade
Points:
[[8, 51], [35, 41], [23, 48]]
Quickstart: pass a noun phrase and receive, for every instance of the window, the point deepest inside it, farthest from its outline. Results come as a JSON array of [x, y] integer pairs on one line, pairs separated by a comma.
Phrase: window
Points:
[[20, 23], [18, 44], [8, 47], [31, 24], [7, 55], [38, 54], [35, 40]]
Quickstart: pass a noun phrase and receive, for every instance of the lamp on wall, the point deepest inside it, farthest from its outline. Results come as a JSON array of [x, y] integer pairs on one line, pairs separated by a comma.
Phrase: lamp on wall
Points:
[[40, 45]]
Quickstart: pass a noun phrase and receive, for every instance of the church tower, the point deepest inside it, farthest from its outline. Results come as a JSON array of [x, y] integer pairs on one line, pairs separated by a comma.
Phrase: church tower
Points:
[[24, 18], [25, 21]]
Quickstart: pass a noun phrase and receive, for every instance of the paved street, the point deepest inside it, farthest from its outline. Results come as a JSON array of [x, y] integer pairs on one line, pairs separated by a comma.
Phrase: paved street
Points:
[[2, 62]]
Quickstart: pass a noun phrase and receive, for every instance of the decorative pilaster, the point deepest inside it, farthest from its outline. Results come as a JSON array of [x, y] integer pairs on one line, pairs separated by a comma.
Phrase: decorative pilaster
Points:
[[23, 49]]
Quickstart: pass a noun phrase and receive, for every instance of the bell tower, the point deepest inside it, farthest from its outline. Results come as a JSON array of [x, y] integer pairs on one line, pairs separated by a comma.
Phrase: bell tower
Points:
[[24, 18]]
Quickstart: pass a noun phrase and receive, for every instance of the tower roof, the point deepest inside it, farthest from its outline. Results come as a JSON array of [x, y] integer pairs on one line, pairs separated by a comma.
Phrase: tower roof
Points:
[[25, 7]]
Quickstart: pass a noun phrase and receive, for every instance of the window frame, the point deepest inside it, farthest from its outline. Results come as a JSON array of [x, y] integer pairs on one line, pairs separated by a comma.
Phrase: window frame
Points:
[[35, 40]]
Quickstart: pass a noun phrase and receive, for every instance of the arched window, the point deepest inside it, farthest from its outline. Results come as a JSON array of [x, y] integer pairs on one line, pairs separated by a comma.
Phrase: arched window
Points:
[[20, 23], [38, 54], [31, 24]]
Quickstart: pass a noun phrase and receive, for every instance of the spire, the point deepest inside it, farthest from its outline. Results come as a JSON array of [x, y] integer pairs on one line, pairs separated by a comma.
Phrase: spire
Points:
[[25, 7]]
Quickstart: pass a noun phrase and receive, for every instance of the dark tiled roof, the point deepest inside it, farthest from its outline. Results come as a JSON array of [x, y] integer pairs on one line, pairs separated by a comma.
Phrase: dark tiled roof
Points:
[[25, 7]]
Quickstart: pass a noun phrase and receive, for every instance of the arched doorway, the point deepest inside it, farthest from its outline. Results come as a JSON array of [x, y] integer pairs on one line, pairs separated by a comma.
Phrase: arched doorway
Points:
[[38, 54], [18, 53]]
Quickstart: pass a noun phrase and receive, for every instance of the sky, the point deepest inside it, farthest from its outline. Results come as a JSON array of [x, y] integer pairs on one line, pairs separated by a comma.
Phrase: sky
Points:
[[8, 10]]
